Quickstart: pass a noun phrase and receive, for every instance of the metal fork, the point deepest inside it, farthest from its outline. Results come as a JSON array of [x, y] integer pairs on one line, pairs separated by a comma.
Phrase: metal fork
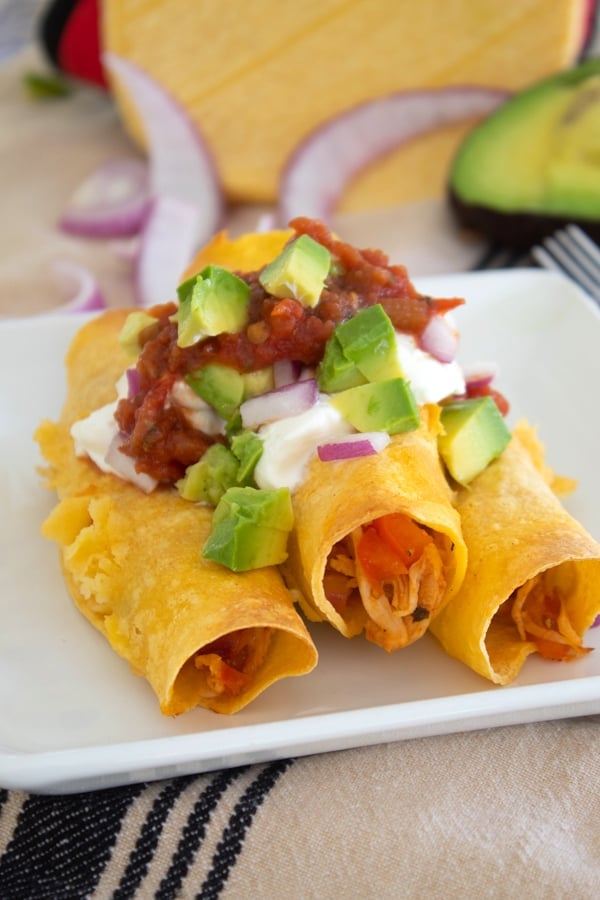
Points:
[[573, 253]]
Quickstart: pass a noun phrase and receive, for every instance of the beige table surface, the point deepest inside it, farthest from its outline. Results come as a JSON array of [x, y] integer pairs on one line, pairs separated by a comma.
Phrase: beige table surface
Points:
[[501, 813]]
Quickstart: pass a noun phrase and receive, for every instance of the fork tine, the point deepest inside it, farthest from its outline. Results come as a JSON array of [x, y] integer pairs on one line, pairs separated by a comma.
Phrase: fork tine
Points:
[[558, 253], [582, 248]]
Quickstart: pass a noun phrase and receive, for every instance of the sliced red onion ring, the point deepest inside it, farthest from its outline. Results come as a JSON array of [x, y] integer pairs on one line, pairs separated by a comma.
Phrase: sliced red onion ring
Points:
[[124, 466], [167, 245], [78, 283], [133, 382], [289, 400], [318, 171], [480, 375], [127, 248], [111, 202], [286, 371], [354, 446], [440, 339], [181, 165]]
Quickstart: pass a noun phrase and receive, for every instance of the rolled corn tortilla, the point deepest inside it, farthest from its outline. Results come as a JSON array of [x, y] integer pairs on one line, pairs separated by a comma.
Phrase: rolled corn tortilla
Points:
[[340, 501], [201, 635], [533, 578]]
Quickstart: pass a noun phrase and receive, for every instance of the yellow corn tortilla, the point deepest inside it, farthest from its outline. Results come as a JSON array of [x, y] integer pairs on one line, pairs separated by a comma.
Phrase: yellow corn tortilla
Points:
[[338, 497], [133, 564], [518, 534]]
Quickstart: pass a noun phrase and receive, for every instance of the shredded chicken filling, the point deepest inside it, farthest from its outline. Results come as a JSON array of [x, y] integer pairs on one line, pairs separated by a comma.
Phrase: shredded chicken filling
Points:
[[538, 610], [397, 603], [230, 662]]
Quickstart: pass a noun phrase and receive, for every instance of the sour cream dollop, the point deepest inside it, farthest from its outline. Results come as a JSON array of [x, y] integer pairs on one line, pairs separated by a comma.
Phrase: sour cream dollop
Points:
[[290, 443]]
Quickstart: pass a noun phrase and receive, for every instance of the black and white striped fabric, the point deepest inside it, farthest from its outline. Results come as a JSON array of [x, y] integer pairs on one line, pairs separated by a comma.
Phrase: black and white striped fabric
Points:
[[111, 843]]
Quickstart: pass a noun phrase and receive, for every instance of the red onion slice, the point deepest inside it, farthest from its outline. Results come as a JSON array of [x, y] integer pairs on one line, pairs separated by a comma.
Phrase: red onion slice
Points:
[[124, 466], [181, 165], [111, 202], [289, 400], [78, 283], [480, 375], [167, 245], [439, 339], [133, 382], [286, 371], [354, 446], [317, 172]]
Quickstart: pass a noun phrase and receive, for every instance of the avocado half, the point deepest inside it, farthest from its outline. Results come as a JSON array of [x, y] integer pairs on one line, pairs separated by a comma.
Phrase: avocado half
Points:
[[534, 164]]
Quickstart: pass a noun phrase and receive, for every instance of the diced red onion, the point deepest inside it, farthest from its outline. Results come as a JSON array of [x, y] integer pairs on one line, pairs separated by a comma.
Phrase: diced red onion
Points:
[[167, 244], [124, 466], [181, 165], [354, 446], [286, 371], [480, 375], [289, 400], [596, 622], [111, 202], [318, 171], [439, 339], [80, 286], [133, 382]]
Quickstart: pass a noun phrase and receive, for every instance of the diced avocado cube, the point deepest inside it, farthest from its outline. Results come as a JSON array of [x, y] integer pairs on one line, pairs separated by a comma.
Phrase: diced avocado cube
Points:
[[247, 448], [250, 529], [336, 372], [379, 406], [299, 271], [258, 382], [213, 302], [474, 434], [221, 386], [131, 330], [368, 339], [208, 479]]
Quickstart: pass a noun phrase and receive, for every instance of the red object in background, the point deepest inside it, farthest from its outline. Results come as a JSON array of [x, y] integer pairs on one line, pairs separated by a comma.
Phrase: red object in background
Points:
[[70, 35]]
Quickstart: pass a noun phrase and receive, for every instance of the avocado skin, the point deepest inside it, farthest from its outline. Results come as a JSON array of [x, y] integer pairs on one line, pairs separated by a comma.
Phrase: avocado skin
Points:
[[518, 230], [520, 226]]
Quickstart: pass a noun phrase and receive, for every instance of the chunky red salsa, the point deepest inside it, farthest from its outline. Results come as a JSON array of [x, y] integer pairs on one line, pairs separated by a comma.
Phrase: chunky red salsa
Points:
[[156, 432]]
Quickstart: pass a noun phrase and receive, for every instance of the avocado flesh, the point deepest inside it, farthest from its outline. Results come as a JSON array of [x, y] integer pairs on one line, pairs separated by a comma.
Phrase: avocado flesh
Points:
[[220, 386], [213, 302], [534, 164], [474, 435], [379, 406], [299, 271], [250, 529]]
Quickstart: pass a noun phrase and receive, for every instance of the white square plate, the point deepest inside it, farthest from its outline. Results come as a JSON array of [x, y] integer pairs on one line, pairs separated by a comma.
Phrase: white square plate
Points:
[[72, 716]]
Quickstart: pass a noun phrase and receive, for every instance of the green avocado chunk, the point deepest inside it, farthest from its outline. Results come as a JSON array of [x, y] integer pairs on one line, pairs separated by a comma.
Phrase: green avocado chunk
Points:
[[299, 271], [221, 386], [474, 434], [368, 340], [207, 480], [258, 382], [213, 302], [129, 336], [335, 371], [534, 164], [379, 406], [250, 529]]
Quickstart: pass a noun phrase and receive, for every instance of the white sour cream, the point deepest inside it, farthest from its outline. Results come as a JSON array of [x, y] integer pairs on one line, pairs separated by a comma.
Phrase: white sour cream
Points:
[[430, 379], [93, 435], [290, 443]]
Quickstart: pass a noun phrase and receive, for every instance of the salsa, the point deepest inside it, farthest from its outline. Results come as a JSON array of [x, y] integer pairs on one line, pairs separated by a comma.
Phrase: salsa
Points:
[[156, 432]]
